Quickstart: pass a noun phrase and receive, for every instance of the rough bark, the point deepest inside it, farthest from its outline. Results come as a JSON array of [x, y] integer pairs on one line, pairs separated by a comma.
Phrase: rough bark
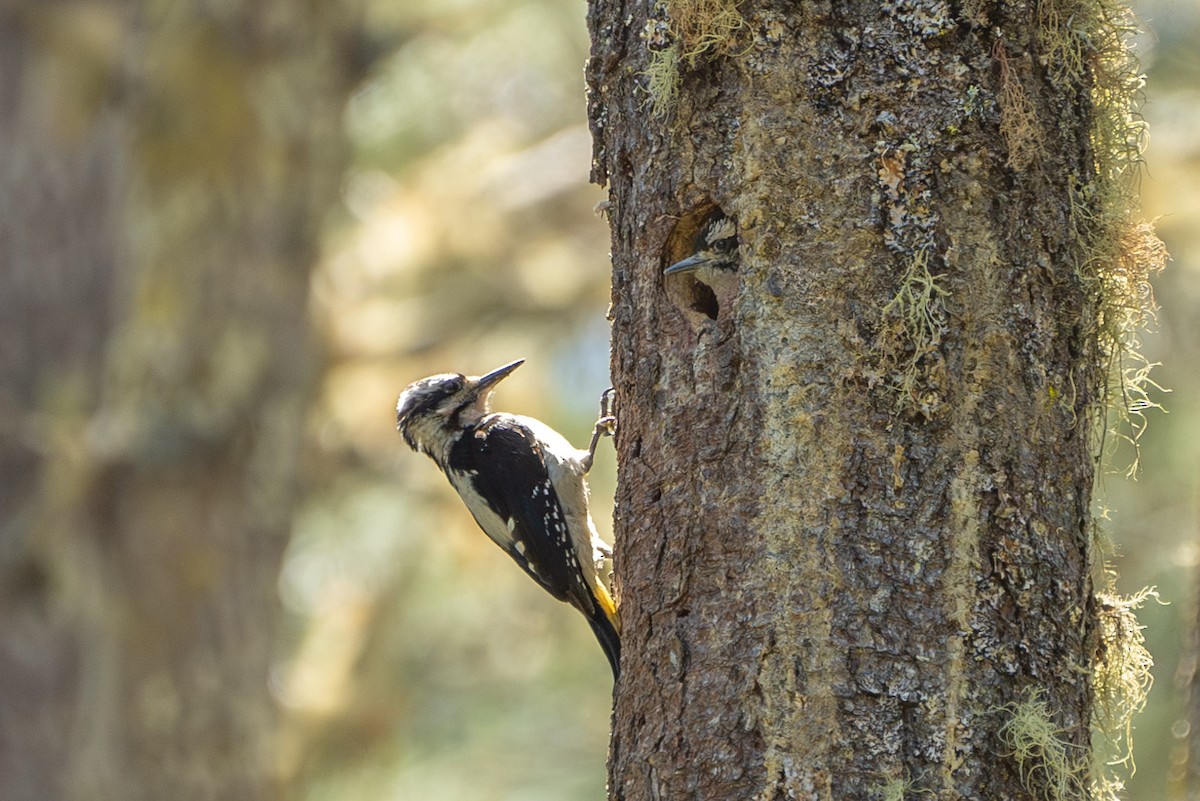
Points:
[[166, 170], [849, 533]]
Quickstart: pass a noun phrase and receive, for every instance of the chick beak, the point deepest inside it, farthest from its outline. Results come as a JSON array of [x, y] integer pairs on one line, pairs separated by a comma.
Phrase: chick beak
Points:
[[691, 263]]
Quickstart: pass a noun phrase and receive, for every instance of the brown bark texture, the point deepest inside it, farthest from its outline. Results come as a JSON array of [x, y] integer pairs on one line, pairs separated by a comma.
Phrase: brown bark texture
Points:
[[166, 169], [854, 480]]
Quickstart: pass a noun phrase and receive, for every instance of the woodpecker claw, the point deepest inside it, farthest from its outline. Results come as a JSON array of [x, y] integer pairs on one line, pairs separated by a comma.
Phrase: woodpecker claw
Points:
[[606, 426], [608, 408]]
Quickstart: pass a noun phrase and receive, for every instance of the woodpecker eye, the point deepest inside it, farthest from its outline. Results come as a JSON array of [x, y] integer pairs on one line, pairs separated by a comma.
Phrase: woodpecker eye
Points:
[[422, 397], [450, 398]]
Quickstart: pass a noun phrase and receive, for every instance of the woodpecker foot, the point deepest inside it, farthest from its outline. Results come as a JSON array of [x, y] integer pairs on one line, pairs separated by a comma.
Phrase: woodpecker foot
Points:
[[608, 413], [606, 426]]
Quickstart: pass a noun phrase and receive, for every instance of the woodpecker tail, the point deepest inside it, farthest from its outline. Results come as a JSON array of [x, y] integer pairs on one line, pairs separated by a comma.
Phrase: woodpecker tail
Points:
[[606, 626]]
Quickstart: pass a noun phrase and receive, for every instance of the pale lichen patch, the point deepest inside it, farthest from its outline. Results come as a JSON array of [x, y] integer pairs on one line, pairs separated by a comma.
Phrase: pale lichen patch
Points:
[[1088, 43], [959, 592], [1121, 680], [1018, 121], [1051, 768], [802, 729], [913, 322], [680, 31]]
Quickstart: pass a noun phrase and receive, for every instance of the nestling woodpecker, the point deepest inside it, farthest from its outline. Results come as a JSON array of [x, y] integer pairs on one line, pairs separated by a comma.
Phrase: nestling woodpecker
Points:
[[715, 252], [524, 484]]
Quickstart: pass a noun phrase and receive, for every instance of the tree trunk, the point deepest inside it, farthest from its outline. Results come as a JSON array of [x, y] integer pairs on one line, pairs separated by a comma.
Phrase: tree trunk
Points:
[[853, 527], [166, 171]]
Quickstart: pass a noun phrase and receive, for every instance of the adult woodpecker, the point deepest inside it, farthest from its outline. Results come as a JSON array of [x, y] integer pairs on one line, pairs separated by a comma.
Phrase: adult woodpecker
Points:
[[524, 484]]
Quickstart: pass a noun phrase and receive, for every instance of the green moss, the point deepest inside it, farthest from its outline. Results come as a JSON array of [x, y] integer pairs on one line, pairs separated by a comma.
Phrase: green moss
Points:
[[685, 29], [1087, 43], [1018, 122], [706, 26], [662, 80], [1124, 302], [1050, 767], [913, 323], [892, 790], [898, 789], [1121, 680]]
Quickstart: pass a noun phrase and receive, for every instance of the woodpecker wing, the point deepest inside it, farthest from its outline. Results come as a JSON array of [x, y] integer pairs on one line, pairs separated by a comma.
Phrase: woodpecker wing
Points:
[[505, 464]]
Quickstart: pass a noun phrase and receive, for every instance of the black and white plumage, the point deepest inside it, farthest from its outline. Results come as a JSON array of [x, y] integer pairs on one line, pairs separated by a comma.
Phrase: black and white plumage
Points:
[[524, 484], [714, 258]]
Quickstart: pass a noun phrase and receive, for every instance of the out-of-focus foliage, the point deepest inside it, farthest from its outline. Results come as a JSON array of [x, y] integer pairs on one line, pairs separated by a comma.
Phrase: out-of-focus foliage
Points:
[[165, 170], [420, 662]]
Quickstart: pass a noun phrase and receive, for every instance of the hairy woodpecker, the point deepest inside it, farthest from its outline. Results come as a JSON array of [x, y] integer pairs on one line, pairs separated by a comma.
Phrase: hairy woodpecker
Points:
[[524, 484], [715, 252]]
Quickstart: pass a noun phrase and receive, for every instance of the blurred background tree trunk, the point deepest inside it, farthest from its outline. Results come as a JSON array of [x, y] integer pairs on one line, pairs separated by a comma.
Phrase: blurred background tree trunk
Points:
[[167, 169], [1184, 776], [854, 542]]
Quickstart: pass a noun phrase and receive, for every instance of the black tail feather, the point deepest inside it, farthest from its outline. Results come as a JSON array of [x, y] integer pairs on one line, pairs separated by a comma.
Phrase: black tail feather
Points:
[[609, 639]]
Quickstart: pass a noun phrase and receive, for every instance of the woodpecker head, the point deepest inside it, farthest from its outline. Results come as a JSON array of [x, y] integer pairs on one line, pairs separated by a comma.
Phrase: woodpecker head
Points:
[[714, 248], [429, 412]]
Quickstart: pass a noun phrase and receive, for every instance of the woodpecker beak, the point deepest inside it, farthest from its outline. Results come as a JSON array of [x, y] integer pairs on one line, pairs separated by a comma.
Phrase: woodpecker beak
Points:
[[485, 382], [689, 264]]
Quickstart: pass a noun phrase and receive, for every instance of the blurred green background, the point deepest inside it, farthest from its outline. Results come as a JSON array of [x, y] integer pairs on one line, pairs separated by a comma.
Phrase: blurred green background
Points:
[[420, 663], [415, 661]]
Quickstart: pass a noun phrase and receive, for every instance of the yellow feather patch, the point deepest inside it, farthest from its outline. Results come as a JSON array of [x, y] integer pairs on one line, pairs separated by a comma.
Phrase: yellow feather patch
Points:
[[606, 603]]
